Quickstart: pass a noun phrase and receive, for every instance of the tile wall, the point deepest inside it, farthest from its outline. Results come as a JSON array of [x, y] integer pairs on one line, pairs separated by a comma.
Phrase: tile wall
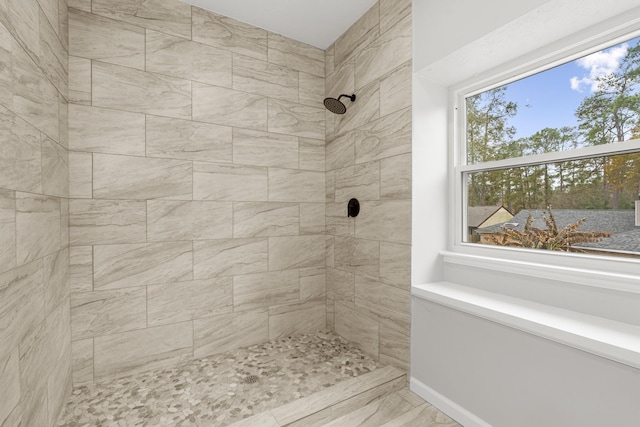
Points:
[[196, 182], [35, 333], [368, 156]]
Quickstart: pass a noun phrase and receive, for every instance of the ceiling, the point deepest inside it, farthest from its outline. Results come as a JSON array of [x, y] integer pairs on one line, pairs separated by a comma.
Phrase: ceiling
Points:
[[315, 22]]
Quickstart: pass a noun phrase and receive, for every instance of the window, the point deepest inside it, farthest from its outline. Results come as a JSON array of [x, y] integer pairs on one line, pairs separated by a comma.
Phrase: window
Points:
[[552, 160]]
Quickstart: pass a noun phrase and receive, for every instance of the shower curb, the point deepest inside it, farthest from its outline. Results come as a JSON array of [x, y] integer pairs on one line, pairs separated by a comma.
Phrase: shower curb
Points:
[[327, 405]]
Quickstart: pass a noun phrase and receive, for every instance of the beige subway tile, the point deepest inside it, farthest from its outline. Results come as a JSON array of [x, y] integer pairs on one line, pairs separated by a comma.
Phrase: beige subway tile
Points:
[[384, 54], [392, 12], [296, 252], [330, 187], [189, 140], [21, 17], [376, 404], [187, 60], [383, 302], [123, 177], [181, 301], [311, 90], [34, 366], [168, 16], [360, 181], [296, 55], [63, 23], [79, 80], [103, 222], [341, 151], [263, 219], [35, 98], [108, 312], [364, 31], [330, 59], [56, 279], [337, 221], [331, 315], [330, 254], [10, 380], [228, 107], [107, 40], [297, 318], [21, 306], [395, 177], [311, 154], [99, 130], [37, 226], [123, 266], [290, 118], [342, 81], [312, 218], [263, 78], [341, 286], [7, 230], [395, 89], [395, 264], [313, 284], [257, 148], [132, 352], [136, 91], [84, 5], [229, 182], [358, 256], [192, 220], [219, 334], [394, 345], [358, 328], [228, 257], [229, 34], [363, 111], [290, 185], [82, 362], [64, 223], [50, 10], [80, 175], [63, 117], [52, 56], [81, 268], [55, 169], [387, 220], [253, 291], [386, 137], [20, 154], [7, 43]]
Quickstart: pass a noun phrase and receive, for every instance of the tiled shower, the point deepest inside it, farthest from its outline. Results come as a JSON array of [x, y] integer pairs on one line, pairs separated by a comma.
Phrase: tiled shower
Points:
[[172, 187]]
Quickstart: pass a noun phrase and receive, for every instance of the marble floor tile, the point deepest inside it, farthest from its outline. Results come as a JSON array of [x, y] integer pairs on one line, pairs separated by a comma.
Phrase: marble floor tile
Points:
[[214, 391]]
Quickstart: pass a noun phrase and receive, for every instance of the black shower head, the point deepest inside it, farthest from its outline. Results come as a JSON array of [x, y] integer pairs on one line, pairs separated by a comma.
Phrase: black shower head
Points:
[[336, 106]]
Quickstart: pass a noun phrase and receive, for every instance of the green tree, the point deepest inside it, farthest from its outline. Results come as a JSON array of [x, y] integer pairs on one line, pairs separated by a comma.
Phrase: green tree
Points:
[[610, 115], [487, 132]]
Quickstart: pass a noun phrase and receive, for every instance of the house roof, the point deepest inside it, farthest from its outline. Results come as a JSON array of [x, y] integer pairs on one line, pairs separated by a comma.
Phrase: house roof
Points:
[[476, 215], [612, 221], [625, 236]]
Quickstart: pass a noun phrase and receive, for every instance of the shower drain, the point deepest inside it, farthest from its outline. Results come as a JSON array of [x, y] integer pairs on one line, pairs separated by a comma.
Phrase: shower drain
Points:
[[251, 379]]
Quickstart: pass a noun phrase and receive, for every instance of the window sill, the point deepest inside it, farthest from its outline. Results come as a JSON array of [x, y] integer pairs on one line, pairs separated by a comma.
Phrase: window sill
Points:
[[610, 339], [617, 277]]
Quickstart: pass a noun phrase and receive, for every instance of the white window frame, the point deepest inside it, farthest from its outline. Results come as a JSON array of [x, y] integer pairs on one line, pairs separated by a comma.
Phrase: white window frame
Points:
[[601, 271]]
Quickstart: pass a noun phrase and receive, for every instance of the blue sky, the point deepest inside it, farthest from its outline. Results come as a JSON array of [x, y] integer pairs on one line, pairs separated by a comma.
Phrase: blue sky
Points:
[[550, 98]]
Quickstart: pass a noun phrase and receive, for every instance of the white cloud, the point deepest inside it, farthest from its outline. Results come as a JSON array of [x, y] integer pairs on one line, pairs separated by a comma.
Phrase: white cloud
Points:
[[598, 64]]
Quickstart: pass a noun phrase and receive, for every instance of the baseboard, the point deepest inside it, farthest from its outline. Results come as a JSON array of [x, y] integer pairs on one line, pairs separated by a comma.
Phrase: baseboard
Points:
[[446, 405]]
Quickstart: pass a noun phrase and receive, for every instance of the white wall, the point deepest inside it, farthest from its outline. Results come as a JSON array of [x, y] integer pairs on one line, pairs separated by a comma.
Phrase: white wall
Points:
[[479, 372]]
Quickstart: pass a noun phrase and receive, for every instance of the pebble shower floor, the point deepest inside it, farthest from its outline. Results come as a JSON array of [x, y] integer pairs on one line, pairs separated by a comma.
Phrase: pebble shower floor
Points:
[[220, 389]]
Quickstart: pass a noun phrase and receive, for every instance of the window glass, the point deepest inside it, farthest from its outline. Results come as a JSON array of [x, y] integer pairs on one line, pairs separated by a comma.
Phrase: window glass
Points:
[[586, 204]]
